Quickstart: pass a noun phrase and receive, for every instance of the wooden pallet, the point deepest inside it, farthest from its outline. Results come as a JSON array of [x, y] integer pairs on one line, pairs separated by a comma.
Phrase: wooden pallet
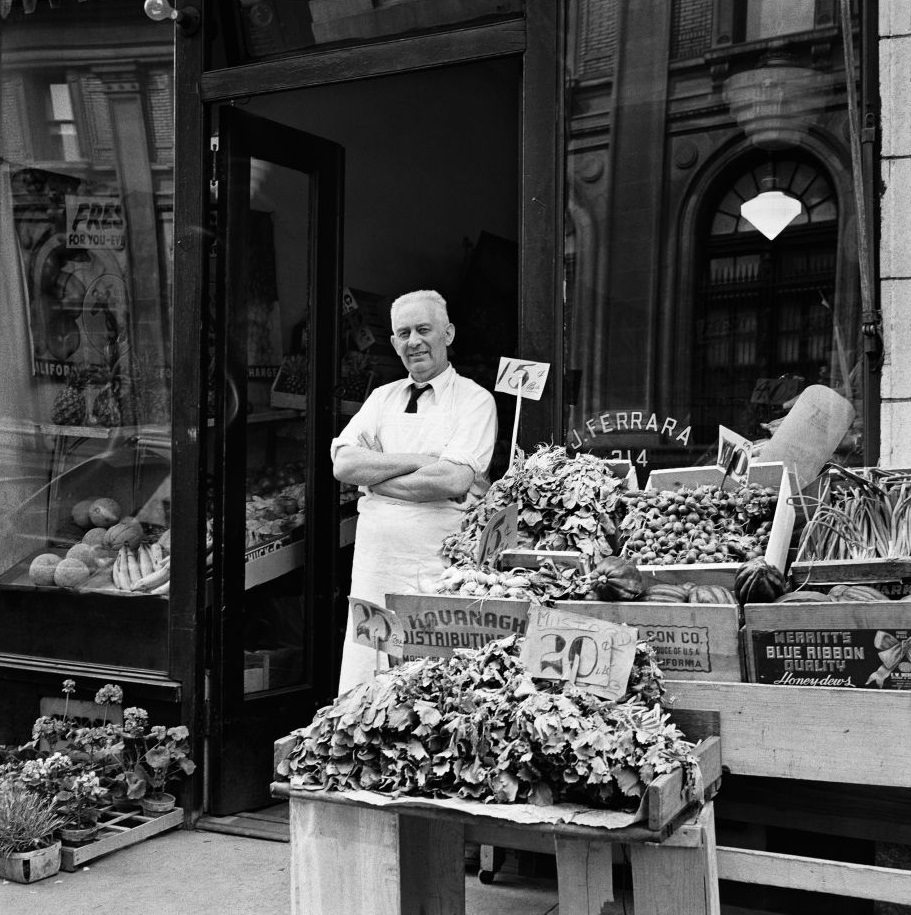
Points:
[[118, 830]]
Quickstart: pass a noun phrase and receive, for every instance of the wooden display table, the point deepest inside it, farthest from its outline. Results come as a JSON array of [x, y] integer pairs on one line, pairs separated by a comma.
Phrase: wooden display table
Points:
[[360, 851], [407, 858]]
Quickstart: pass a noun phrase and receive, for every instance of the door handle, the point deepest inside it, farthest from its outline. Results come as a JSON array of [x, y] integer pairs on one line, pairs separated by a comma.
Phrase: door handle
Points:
[[232, 410]]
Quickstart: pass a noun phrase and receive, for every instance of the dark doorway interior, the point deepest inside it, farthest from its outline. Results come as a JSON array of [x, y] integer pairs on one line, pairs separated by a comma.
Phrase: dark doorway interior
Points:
[[431, 200]]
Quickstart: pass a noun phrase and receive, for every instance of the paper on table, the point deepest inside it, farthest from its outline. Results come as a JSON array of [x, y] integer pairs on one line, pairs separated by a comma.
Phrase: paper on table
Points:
[[529, 814]]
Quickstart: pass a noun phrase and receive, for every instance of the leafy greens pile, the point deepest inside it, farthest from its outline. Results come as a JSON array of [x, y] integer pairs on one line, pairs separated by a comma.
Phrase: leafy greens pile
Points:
[[477, 726], [565, 503]]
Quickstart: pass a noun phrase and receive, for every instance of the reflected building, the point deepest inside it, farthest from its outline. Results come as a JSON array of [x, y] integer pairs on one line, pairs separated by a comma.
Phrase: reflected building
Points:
[[678, 113]]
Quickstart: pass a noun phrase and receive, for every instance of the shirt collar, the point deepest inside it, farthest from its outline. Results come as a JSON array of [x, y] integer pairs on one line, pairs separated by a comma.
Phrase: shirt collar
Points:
[[440, 383]]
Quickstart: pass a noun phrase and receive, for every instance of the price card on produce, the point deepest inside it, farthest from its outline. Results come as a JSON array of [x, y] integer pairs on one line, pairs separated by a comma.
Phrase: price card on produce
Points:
[[734, 453], [377, 627], [595, 655], [514, 374], [500, 533]]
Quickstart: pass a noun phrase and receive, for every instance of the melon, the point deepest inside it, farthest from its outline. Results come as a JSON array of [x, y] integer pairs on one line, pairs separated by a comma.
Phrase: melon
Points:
[[95, 536], [104, 512], [124, 533], [70, 573], [41, 571], [80, 513], [84, 553]]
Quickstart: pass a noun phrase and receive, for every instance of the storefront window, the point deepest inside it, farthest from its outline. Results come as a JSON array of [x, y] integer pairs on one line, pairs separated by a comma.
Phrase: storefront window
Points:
[[86, 209], [712, 269], [274, 27]]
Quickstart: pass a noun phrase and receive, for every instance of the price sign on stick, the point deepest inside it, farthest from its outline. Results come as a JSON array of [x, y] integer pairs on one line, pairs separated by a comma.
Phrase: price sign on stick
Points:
[[500, 533], [376, 627], [734, 453], [520, 375], [523, 379], [595, 655]]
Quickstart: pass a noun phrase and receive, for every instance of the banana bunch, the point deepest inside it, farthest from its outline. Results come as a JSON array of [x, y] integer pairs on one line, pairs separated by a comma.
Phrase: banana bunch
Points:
[[145, 569]]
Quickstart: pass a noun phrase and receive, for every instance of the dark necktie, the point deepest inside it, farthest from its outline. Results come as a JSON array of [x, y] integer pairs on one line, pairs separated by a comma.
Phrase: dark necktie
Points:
[[414, 397]]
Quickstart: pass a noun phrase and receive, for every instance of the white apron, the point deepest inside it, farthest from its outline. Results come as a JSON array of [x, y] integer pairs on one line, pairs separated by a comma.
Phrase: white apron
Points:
[[397, 547]]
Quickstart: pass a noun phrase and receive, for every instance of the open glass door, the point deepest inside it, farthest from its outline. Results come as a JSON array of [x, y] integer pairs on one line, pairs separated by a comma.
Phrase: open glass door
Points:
[[272, 501]]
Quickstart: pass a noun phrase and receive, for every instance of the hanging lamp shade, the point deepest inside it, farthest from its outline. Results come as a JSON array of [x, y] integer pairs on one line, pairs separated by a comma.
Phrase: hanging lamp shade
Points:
[[771, 212]]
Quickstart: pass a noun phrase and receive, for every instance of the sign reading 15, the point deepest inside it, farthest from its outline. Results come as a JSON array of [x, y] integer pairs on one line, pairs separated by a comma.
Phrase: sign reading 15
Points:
[[514, 375]]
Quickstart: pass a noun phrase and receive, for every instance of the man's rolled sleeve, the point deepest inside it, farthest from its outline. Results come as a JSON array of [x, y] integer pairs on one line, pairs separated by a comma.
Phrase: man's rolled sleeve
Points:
[[475, 433], [361, 430]]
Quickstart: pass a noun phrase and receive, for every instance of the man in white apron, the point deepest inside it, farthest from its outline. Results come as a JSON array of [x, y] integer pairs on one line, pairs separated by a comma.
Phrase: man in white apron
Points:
[[419, 450]]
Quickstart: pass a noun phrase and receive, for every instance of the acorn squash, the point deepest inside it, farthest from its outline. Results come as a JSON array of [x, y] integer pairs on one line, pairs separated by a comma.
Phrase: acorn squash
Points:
[[617, 579], [711, 594], [758, 582], [804, 597], [855, 593], [666, 594]]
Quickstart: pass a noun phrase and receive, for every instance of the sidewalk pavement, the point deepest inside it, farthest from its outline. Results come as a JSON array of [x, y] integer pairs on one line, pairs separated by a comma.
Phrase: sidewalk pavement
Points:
[[195, 873]]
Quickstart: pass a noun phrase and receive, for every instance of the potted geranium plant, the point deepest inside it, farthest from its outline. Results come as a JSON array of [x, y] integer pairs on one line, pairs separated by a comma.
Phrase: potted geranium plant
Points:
[[29, 850], [165, 760], [128, 781], [76, 790]]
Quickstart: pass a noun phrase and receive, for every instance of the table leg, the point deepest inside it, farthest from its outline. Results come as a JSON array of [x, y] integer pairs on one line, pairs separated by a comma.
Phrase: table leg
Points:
[[346, 860], [432, 866], [585, 880], [671, 879]]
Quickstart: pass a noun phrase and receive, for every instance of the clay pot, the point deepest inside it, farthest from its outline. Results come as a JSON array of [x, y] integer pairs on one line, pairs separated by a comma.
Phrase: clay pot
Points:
[[75, 836], [158, 804]]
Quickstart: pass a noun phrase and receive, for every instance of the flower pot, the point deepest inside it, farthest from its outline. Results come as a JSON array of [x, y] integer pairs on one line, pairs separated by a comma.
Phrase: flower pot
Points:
[[74, 836], [154, 805], [29, 866], [124, 804]]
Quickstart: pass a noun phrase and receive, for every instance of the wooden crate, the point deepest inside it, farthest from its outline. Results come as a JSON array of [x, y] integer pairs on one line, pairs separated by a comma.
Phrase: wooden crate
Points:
[[693, 641], [838, 644], [805, 732], [722, 573], [436, 624], [891, 576], [118, 830]]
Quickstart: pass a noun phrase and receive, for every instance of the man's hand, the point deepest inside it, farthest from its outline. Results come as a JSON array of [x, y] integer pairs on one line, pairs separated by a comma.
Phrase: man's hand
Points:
[[363, 467], [434, 481]]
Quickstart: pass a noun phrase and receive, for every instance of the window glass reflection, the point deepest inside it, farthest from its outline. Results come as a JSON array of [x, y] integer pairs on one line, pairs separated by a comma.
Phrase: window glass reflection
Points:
[[678, 305], [86, 224]]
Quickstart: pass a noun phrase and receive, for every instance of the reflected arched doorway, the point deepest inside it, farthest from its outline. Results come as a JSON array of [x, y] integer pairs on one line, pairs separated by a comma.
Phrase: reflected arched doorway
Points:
[[767, 321]]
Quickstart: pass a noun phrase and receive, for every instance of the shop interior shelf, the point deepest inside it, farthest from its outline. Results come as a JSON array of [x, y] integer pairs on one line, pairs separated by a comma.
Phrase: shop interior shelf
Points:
[[263, 563], [264, 416]]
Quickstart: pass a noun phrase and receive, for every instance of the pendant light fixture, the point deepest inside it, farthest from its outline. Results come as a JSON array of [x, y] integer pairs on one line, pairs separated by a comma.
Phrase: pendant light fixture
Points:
[[771, 210]]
